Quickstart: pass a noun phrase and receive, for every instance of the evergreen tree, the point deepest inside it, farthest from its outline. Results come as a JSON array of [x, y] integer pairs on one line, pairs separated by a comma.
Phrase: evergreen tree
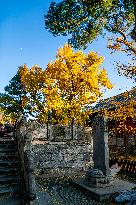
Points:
[[11, 101]]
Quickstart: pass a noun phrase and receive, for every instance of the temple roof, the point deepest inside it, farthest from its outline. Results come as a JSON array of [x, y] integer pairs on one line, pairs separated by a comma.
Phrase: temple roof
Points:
[[124, 98]]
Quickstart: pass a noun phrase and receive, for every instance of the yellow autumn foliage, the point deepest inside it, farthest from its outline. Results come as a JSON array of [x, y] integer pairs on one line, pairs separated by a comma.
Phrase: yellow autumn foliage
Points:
[[125, 115], [6, 118], [70, 83]]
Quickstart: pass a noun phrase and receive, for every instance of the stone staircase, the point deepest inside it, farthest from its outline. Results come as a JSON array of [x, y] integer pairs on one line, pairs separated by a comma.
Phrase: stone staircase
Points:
[[10, 179]]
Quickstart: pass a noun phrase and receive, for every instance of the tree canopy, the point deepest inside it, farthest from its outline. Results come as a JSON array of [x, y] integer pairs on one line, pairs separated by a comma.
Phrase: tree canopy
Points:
[[85, 20], [11, 101], [67, 86], [34, 81]]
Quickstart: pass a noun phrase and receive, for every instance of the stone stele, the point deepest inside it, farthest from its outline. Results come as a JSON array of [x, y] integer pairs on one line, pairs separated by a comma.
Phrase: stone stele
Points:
[[97, 181]]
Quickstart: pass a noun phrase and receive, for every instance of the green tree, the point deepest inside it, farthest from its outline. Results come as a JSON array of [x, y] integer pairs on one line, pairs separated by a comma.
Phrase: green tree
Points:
[[87, 19], [11, 101]]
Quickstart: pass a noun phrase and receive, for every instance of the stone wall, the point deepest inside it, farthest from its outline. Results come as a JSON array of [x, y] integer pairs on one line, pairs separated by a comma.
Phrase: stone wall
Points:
[[58, 152], [62, 158], [26, 159]]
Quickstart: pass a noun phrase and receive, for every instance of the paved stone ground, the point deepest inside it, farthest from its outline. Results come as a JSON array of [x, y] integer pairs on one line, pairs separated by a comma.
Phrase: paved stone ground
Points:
[[64, 194], [57, 192], [44, 198]]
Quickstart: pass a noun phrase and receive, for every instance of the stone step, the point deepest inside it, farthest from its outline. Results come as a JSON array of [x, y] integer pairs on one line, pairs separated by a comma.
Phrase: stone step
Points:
[[12, 201], [6, 137], [10, 181], [2, 132], [7, 171], [7, 141], [8, 157], [2, 153], [8, 150], [9, 174], [6, 179], [9, 163], [6, 134], [10, 189], [6, 165], [7, 146]]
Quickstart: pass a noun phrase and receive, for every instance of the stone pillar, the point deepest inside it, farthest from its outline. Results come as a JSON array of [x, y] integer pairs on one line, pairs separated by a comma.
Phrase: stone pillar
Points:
[[73, 130], [99, 175], [100, 144], [49, 127]]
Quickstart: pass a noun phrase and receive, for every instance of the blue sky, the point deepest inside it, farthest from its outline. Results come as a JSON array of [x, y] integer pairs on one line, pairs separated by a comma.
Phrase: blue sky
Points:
[[23, 39]]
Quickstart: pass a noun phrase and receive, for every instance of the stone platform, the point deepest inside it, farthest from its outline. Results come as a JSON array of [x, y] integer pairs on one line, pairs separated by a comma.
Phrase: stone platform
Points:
[[105, 192]]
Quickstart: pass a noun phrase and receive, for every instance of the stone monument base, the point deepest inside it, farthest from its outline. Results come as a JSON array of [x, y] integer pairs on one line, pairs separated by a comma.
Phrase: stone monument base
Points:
[[96, 178], [105, 192]]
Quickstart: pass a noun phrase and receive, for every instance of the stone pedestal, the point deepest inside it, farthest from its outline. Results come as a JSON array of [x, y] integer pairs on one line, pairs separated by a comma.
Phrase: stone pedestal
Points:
[[103, 193], [96, 178]]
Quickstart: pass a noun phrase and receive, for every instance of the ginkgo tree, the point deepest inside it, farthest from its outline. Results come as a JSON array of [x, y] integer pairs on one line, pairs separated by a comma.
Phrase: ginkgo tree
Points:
[[33, 81], [68, 85]]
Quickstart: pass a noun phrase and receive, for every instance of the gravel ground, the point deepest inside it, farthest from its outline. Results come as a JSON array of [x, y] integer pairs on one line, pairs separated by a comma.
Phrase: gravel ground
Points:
[[63, 193]]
